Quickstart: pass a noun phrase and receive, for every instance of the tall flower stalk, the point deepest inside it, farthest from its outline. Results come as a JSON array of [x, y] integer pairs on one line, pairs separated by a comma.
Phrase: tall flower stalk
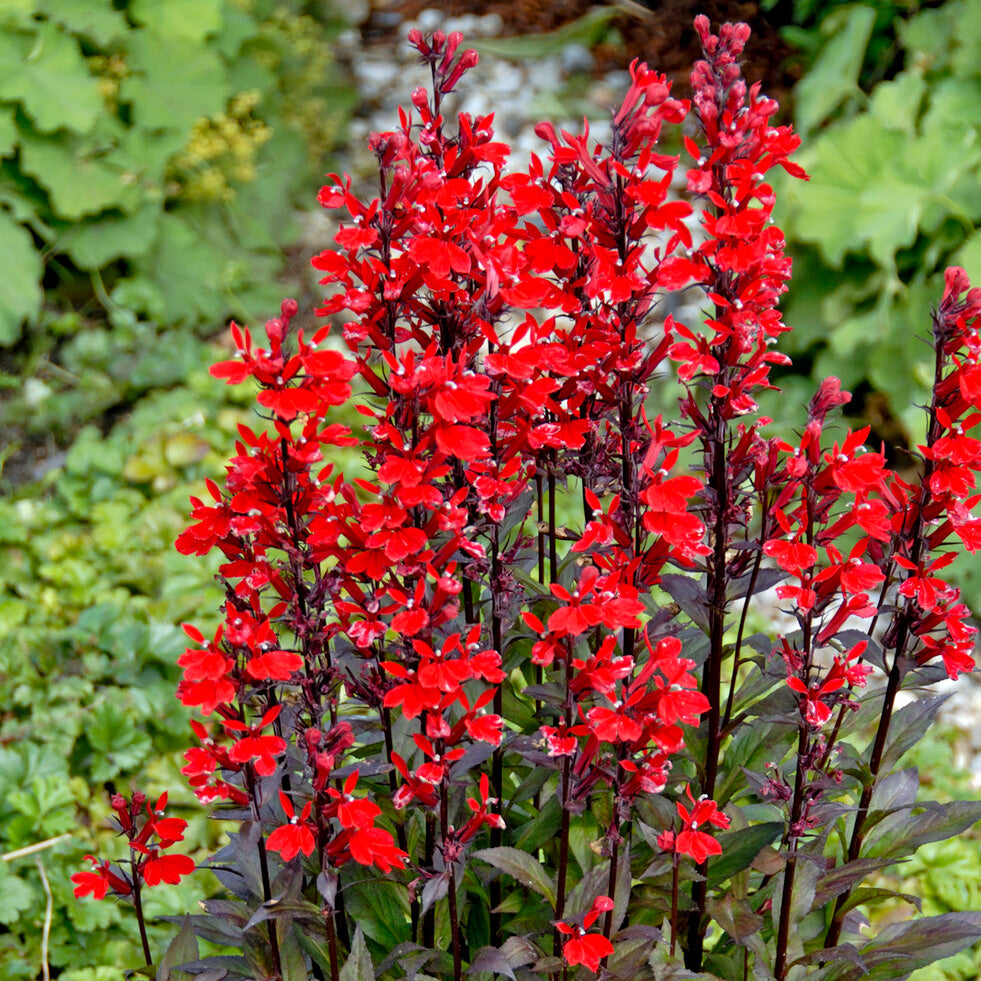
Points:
[[489, 704]]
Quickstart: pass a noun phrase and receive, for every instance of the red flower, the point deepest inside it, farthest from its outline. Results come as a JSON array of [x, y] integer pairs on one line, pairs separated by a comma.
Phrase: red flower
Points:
[[99, 881], [254, 746], [296, 836], [375, 846], [588, 950], [690, 841], [584, 948], [274, 665], [157, 868]]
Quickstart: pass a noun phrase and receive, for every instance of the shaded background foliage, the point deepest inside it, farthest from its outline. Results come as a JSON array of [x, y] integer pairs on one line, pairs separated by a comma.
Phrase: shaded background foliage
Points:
[[152, 158]]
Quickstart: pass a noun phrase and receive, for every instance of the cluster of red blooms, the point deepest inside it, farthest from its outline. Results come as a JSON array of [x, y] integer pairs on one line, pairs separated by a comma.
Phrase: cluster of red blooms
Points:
[[901, 531], [150, 833], [388, 605]]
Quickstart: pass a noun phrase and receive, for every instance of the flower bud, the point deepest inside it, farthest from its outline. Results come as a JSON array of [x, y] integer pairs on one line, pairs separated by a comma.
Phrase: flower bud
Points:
[[416, 38], [121, 807]]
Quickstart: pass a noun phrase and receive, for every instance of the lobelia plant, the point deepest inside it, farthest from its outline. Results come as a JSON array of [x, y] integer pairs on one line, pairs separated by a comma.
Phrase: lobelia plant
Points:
[[456, 735]]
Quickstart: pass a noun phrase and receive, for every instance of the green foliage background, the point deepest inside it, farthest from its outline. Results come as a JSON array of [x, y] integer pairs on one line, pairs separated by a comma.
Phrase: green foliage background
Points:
[[152, 157], [152, 153]]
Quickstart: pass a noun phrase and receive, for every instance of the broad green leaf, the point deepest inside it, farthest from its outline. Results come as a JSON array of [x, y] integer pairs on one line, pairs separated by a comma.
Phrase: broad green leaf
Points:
[[16, 895], [871, 189], [226, 280], [180, 256], [969, 256], [967, 22], [928, 37], [520, 866], [897, 102], [358, 966], [834, 76], [94, 242], [49, 77], [83, 176], [381, 909], [93, 19], [46, 805], [16, 13], [9, 133], [174, 84], [542, 827], [187, 20], [739, 848], [20, 299], [117, 745]]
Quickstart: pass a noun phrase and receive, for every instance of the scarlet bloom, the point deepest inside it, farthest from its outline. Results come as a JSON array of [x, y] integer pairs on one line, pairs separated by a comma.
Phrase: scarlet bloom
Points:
[[296, 836], [584, 948], [99, 881], [587, 950], [375, 846], [690, 841], [353, 812], [171, 869], [254, 746]]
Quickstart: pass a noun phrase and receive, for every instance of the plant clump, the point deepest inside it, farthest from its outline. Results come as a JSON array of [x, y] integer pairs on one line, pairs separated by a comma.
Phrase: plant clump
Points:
[[489, 705]]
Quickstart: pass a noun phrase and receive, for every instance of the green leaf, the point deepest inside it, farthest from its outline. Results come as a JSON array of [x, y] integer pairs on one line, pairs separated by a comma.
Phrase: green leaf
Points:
[[358, 966], [83, 176], [174, 84], [969, 256], [16, 13], [179, 257], [118, 746], [520, 866], [93, 19], [49, 77], [542, 827], [20, 298], [834, 76], [9, 133], [94, 242], [739, 848], [186, 20], [871, 188], [318, 952], [182, 950], [16, 896], [381, 909], [897, 102]]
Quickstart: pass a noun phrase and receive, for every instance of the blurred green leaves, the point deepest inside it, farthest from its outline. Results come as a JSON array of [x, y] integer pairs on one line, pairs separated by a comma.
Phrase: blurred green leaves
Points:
[[121, 148], [894, 198]]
